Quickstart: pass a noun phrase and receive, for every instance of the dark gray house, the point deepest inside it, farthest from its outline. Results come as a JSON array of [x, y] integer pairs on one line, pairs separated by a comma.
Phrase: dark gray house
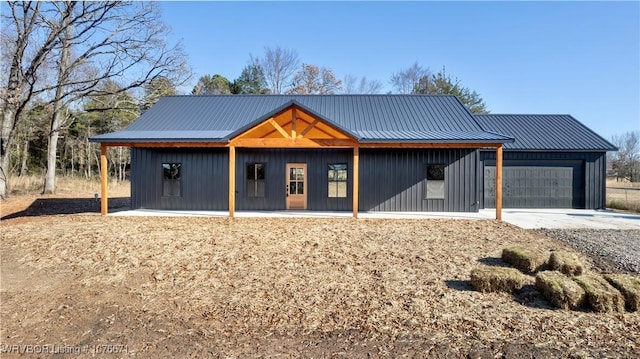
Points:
[[350, 153]]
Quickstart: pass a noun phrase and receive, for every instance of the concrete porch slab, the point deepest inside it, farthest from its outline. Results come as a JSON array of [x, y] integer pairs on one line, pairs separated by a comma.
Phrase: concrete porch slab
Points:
[[523, 218]]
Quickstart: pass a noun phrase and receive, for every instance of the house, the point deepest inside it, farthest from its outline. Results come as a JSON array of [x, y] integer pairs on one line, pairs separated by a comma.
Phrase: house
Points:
[[342, 153]]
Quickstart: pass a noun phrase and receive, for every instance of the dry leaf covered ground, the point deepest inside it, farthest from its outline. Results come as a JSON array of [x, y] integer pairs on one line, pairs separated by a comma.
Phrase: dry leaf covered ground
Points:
[[203, 287]]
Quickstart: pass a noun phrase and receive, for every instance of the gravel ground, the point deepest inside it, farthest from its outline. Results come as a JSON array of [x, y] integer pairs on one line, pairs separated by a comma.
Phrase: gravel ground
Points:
[[611, 249]]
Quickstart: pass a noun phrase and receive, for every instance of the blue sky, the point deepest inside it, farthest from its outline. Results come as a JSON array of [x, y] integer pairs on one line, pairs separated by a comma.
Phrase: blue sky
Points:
[[578, 58]]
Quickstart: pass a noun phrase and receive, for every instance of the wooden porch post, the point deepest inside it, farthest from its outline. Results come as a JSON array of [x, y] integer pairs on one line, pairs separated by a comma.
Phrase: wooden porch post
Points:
[[232, 181], [499, 182], [104, 200], [356, 179]]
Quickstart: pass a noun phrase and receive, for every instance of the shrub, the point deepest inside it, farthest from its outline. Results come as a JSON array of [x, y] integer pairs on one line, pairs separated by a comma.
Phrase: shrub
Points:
[[560, 290], [601, 296], [524, 260], [496, 279], [629, 286], [566, 262]]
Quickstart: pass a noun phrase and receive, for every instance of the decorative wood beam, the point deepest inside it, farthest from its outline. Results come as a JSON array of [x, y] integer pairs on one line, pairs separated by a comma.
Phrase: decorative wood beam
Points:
[[287, 143], [232, 181], [294, 119], [278, 128], [311, 126], [499, 183], [104, 175], [356, 180]]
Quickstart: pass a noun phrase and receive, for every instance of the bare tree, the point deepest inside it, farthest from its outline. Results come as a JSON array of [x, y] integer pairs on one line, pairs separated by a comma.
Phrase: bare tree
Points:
[[626, 161], [278, 65], [351, 85], [314, 80], [405, 81], [87, 43], [26, 45]]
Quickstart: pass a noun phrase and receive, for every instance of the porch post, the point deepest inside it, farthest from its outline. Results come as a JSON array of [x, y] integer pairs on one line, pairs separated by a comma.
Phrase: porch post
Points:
[[232, 181], [499, 182], [356, 179], [104, 200]]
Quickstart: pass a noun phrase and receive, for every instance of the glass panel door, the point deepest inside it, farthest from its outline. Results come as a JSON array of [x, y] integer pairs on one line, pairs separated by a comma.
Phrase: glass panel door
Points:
[[295, 186]]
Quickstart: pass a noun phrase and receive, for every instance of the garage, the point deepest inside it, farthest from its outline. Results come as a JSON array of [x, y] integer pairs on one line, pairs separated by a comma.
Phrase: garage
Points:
[[554, 162], [537, 184]]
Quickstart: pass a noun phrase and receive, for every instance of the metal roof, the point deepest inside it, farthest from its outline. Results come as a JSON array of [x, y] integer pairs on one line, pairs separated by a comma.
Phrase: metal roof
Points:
[[545, 132], [381, 118]]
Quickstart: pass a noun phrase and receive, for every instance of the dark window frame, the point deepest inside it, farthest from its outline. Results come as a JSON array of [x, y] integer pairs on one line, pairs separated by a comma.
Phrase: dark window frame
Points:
[[337, 180], [435, 180], [254, 176], [171, 180]]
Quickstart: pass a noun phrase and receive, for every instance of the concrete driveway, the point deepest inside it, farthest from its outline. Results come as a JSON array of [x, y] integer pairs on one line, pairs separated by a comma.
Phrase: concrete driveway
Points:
[[567, 218]]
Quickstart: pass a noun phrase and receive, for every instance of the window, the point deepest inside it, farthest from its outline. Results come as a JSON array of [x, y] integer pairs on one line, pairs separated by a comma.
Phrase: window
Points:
[[171, 174], [255, 180], [435, 182], [337, 180]]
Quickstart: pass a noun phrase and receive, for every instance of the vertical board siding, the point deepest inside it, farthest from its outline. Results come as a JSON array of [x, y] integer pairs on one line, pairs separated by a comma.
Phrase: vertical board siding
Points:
[[275, 161], [589, 173], [203, 184], [394, 180]]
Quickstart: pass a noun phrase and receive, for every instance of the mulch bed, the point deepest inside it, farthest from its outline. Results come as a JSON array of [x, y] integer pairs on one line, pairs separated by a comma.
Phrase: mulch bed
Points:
[[174, 286]]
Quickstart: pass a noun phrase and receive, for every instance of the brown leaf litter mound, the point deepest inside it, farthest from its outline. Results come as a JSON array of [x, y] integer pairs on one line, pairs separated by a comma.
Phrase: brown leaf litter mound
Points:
[[177, 286]]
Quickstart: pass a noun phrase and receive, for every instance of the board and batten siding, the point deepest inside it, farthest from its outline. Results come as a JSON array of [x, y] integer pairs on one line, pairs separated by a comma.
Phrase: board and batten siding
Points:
[[591, 181], [204, 179], [395, 180], [275, 161]]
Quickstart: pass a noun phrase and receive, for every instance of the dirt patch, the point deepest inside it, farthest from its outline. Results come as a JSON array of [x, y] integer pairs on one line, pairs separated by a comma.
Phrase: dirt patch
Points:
[[175, 287]]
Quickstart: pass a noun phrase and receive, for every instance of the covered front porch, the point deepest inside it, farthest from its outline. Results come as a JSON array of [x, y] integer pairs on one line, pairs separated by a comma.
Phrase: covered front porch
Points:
[[295, 127]]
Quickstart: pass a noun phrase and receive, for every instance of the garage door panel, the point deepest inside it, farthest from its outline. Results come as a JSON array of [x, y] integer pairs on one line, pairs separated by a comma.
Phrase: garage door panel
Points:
[[536, 186]]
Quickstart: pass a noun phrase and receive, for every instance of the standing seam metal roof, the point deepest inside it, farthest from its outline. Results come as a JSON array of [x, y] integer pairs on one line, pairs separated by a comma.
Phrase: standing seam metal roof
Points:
[[425, 118], [544, 132]]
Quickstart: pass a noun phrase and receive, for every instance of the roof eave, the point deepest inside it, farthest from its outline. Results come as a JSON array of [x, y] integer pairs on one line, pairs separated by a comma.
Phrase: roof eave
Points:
[[423, 141], [158, 140]]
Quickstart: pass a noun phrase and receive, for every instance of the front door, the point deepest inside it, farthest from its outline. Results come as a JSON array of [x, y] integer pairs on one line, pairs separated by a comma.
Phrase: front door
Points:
[[296, 185]]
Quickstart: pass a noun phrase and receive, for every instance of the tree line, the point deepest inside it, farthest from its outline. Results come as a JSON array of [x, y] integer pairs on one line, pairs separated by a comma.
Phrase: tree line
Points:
[[72, 70], [280, 71]]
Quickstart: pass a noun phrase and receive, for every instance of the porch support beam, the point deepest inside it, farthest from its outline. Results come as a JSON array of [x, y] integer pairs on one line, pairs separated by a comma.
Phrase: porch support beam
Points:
[[300, 142], [499, 183], [232, 181], [356, 179], [104, 200]]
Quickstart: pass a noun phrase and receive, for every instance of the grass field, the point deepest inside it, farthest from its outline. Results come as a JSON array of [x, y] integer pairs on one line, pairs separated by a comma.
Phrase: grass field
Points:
[[66, 186], [623, 195]]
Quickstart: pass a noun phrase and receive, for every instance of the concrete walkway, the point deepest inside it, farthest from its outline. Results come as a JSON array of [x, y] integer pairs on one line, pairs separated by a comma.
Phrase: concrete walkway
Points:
[[524, 218]]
